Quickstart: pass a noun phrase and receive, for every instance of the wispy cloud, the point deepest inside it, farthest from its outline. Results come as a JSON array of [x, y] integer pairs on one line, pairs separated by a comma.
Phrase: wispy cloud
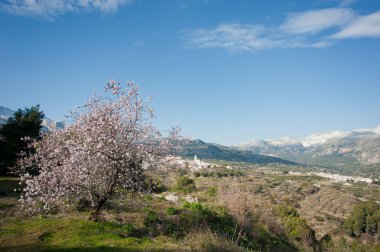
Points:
[[51, 8], [298, 30], [315, 21], [237, 37], [232, 36], [366, 26]]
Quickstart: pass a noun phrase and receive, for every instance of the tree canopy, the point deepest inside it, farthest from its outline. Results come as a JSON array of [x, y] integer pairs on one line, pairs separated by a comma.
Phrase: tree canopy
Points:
[[365, 218], [25, 123]]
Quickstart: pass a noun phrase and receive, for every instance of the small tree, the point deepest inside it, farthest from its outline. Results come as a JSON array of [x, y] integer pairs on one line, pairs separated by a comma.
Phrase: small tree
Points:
[[24, 123], [110, 145]]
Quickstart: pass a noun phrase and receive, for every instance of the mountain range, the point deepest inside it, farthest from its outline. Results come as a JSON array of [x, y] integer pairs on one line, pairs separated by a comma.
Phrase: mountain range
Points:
[[219, 152], [359, 147]]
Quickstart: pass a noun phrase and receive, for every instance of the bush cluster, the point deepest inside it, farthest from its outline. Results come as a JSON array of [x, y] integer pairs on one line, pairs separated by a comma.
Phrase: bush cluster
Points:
[[297, 229], [365, 218], [185, 184], [172, 211]]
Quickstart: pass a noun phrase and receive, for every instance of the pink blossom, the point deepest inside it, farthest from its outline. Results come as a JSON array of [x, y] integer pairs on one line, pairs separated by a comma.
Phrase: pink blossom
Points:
[[105, 148]]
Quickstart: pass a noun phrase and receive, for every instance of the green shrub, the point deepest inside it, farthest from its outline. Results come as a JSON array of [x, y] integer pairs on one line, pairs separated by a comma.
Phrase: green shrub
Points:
[[186, 204], [171, 211], [152, 223], [151, 218], [185, 184], [365, 218], [267, 240], [296, 227], [130, 230], [197, 174], [196, 206], [287, 211]]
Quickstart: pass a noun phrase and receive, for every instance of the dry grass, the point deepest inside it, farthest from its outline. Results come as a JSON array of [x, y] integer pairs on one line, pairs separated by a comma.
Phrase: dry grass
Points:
[[208, 241]]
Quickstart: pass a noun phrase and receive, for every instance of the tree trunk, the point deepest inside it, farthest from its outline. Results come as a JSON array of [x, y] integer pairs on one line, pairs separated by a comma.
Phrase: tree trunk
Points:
[[95, 212]]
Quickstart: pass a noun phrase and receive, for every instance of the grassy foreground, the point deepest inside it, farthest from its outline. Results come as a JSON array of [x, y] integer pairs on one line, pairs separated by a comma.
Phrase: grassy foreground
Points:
[[65, 233], [74, 234]]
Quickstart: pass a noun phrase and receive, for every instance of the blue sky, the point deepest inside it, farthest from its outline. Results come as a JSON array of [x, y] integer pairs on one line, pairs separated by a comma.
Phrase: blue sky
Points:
[[226, 71]]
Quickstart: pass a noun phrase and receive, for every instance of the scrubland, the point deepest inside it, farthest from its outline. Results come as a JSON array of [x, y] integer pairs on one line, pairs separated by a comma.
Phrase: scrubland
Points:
[[229, 210]]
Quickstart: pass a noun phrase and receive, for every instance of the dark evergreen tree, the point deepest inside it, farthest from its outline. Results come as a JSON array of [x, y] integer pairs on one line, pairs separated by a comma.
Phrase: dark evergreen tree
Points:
[[24, 123]]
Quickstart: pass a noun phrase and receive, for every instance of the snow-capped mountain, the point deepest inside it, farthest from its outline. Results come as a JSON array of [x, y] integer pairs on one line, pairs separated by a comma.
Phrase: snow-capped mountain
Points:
[[48, 123], [321, 138], [357, 147], [286, 148]]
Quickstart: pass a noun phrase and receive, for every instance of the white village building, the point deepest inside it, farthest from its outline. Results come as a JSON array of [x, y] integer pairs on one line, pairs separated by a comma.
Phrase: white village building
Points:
[[197, 164]]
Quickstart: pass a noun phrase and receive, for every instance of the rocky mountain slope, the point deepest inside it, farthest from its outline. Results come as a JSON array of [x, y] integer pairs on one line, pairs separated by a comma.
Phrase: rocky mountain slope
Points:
[[351, 148]]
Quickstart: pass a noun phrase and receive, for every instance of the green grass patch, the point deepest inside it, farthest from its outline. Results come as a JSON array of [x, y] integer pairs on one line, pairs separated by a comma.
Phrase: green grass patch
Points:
[[9, 179], [72, 234]]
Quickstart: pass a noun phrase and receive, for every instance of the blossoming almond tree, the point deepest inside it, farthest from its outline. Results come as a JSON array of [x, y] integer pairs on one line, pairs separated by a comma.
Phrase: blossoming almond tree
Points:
[[110, 145]]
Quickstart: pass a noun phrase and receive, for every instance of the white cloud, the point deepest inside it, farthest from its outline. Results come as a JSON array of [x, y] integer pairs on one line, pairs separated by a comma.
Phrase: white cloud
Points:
[[52, 8], [237, 37], [315, 21], [230, 36], [365, 26], [295, 31], [298, 30], [322, 44]]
